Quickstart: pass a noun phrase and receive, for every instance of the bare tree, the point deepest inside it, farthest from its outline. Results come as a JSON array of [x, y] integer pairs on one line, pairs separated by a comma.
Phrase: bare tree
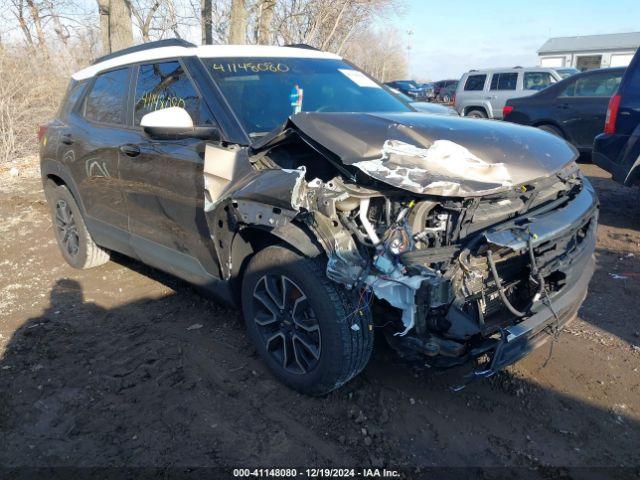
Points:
[[265, 20], [206, 14], [36, 19], [115, 24], [238, 22], [144, 16], [120, 32], [103, 12], [22, 19]]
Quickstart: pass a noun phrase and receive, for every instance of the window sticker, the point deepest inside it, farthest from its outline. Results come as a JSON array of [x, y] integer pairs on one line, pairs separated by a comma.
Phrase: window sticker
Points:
[[358, 78], [296, 97]]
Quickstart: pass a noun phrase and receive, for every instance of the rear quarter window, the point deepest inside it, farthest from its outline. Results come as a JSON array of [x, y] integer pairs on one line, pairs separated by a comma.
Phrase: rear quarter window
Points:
[[475, 83], [105, 103], [537, 80], [71, 98]]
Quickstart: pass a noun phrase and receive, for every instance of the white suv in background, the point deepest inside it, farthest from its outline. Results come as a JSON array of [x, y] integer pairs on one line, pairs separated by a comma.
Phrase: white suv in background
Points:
[[483, 93]]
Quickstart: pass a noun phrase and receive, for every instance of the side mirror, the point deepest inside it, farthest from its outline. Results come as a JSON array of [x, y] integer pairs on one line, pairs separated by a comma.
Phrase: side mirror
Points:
[[175, 123]]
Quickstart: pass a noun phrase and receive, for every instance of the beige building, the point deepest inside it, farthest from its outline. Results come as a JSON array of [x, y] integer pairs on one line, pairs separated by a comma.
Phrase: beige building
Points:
[[590, 51]]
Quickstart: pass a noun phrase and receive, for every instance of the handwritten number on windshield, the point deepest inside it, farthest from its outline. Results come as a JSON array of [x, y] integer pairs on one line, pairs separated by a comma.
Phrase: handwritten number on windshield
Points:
[[244, 67]]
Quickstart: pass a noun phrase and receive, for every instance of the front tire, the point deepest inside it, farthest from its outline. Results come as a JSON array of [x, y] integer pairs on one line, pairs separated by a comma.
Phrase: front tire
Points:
[[75, 242], [310, 332]]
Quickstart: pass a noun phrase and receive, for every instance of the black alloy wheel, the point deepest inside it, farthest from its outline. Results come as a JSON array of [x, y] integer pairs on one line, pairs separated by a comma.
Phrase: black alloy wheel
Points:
[[287, 324], [66, 228]]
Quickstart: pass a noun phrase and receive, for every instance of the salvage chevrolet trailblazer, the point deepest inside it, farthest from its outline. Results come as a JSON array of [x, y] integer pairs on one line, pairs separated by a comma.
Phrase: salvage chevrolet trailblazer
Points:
[[285, 181]]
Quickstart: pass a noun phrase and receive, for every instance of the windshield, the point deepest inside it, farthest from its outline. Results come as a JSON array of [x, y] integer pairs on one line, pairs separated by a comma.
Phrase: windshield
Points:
[[264, 92]]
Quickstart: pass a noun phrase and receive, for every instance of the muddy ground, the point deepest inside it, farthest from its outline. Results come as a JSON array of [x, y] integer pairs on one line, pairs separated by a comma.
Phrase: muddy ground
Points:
[[125, 366]]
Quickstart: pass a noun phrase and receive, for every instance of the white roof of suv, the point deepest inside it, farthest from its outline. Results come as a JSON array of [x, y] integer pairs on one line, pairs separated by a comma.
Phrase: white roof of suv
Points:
[[509, 69], [203, 51]]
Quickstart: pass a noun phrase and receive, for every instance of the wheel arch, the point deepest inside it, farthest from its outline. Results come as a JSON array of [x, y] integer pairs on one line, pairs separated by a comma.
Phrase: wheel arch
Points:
[[551, 123], [484, 108], [250, 239], [52, 170]]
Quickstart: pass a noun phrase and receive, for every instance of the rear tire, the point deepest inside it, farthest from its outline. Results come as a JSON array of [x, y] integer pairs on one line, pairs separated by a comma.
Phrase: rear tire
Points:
[[551, 129], [475, 113], [306, 328], [75, 242]]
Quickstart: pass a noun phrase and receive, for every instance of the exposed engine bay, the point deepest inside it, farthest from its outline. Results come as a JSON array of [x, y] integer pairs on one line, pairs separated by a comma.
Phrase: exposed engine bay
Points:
[[455, 247]]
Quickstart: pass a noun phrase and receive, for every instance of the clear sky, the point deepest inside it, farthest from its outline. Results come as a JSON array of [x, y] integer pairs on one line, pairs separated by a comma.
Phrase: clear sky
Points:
[[451, 37]]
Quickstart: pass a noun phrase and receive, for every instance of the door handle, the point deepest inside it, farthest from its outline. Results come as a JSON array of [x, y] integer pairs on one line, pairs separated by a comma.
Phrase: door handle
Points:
[[66, 138], [563, 106], [130, 150]]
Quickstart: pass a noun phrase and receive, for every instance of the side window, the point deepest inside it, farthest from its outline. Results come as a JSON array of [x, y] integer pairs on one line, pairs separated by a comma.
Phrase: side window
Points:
[[475, 82], [504, 81], [164, 85], [537, 80], [71, 98], [106, 100], [593, 86]]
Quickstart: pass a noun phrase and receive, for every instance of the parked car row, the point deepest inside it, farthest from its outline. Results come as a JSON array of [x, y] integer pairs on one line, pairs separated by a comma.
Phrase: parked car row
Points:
[[442, 91], [418, 92], [598, 111], [427, 107]]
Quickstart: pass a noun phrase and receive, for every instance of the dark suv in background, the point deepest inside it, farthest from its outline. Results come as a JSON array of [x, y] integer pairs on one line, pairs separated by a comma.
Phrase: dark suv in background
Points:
[[444, 90], [617, 150], [573, 108]]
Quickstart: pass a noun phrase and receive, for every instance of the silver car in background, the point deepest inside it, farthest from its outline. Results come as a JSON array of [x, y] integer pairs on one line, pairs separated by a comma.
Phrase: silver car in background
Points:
[[483, 93]]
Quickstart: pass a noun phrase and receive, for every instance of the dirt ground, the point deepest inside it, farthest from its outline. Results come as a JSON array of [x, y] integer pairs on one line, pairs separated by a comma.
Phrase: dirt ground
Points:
[[126, 366]]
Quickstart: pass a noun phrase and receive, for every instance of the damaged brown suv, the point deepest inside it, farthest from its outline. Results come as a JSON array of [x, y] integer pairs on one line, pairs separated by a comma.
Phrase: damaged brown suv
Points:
[[285, 181]]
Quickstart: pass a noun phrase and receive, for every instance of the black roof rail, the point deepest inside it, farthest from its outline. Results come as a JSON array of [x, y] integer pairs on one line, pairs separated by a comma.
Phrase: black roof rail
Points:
[[302, 45], [517, 66], [168, 42]]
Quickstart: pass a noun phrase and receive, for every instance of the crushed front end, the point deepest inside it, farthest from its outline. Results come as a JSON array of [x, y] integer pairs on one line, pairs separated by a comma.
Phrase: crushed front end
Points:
[[462, 239], [450, 280]]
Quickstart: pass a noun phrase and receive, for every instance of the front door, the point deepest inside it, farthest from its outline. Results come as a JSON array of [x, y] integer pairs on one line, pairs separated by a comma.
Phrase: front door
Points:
[[164, 179]]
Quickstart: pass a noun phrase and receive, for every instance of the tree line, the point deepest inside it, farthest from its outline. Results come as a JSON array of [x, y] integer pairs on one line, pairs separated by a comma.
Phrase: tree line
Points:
[[82, 29]]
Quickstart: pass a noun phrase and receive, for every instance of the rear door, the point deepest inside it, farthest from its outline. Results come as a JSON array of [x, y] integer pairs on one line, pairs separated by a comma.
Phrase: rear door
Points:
[[582, 106], [164, 180], [96, 131], [502, 88], [470, 92]]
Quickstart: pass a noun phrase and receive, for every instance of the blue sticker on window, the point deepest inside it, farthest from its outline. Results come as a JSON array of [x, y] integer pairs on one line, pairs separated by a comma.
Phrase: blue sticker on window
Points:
[[296, 97]]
